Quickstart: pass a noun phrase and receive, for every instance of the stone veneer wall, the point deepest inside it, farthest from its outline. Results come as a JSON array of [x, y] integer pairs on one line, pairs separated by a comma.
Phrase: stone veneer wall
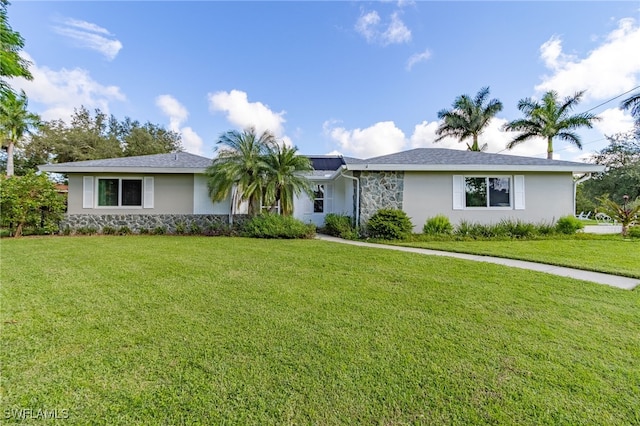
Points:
[[379, 190], [135, 222]]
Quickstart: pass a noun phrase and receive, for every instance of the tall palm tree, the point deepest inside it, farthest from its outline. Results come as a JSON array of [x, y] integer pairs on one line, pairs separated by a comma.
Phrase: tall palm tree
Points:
[[239, 168], [15, 122], [283, 178], [550, 119], [468, 118], [632, 103]]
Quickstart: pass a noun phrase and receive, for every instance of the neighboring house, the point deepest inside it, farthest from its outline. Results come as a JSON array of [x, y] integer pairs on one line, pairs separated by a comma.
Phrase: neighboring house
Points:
[[165, 189]]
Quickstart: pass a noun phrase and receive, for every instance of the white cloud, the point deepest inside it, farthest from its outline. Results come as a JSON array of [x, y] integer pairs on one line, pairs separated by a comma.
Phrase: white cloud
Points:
[[242, 113], [368, 25], [173, 109], [90, 36], [178, 114], [417, 58], [380, 139], [396, 32], [62, 91], [386, 138], [614, 120], [191, 141], [608, 70]]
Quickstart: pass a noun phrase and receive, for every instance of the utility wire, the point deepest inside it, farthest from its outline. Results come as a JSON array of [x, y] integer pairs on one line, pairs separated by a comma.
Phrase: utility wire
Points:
[[612, 99]]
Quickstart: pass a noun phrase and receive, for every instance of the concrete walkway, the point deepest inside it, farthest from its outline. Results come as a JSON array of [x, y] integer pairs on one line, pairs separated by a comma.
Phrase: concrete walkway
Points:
[[596, 277]]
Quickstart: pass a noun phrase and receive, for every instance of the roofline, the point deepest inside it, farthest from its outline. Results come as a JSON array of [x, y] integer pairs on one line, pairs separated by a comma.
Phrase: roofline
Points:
[[92, 169], [586, 168]]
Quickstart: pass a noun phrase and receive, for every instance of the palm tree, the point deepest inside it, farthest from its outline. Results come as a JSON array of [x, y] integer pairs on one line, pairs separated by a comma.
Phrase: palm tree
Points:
[[632, 103], [15, 122], [283, 178], [240, 168], [550, 119], [468, 118]]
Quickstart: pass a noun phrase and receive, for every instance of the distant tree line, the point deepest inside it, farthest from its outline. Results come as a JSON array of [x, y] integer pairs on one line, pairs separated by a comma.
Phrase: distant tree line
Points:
[[89, 136]]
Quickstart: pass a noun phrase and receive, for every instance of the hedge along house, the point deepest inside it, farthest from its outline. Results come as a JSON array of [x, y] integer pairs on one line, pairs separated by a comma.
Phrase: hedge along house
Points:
[[167, 189]]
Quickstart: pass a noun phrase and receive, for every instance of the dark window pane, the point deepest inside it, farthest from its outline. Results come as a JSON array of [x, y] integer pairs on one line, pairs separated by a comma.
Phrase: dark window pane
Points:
[[476, 192], [318, 206], [131, 192], [107, 192], [499, 190], [319, 191]]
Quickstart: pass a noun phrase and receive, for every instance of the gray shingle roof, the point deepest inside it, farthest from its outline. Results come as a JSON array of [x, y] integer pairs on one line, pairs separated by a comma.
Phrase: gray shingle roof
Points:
[[455, 156], [183, 161], [436, 157]]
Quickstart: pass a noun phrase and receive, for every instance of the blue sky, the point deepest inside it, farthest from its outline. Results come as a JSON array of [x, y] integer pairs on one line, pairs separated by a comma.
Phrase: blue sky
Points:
[[358, 78]]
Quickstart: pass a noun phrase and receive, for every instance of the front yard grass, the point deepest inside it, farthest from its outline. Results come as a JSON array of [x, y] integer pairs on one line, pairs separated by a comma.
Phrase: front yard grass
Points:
[[187, 330], [601, 253]]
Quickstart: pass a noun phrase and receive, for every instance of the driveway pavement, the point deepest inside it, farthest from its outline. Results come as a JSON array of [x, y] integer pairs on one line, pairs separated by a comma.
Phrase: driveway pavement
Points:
[[579, 274]]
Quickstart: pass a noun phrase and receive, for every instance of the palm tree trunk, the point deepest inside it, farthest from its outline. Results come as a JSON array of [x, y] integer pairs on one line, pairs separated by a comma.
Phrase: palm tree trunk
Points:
[[474, 147], [10, 158], [550, 148]]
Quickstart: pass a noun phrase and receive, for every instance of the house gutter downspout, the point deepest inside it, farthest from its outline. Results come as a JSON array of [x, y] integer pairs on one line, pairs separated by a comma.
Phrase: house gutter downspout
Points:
[[585, 177], [357, 212]]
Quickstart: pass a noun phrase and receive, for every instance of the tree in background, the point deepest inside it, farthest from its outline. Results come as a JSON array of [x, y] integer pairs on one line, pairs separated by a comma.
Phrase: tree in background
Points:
[[632, 103], [93, 136], [15, 122], [283, 177], [549, 119], [468, 118], [621, 177], [11, 43], [30, 201]]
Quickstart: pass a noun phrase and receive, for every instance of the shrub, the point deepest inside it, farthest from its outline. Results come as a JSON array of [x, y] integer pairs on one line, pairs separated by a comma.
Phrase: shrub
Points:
[[30, 201], [124, 230], [389, 224], [275, 226], [143, 231], [66, 231], [160, 230], [339, 225], [569, 225], [86, 230], [194, 229], [437, 225], [181, 228], [634, 232], [219, 229], [109, 230], [515, 229]]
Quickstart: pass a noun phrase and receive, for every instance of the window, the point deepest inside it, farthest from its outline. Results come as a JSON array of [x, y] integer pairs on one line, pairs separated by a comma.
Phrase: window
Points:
[[115, 192], [318, 199], [487, 191]]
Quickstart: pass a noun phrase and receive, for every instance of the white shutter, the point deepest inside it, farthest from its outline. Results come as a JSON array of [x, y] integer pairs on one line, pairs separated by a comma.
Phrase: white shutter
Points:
[[328, 198], [458, 192], [518, 192], [87, 192], [148, 192]]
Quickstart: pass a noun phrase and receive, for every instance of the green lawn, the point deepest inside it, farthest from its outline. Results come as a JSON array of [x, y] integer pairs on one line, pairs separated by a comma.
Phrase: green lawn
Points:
[[601, 253], [188, 330]]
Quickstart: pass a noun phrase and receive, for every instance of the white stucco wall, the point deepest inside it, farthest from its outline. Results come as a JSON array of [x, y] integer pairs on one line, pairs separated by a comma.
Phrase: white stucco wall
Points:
[[341, 202], [202, 203], [548, 196]]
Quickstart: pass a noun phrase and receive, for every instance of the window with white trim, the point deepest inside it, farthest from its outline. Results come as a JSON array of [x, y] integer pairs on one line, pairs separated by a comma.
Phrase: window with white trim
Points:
[[114, 192], [119, 192], [318, 198], [487, 191]]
